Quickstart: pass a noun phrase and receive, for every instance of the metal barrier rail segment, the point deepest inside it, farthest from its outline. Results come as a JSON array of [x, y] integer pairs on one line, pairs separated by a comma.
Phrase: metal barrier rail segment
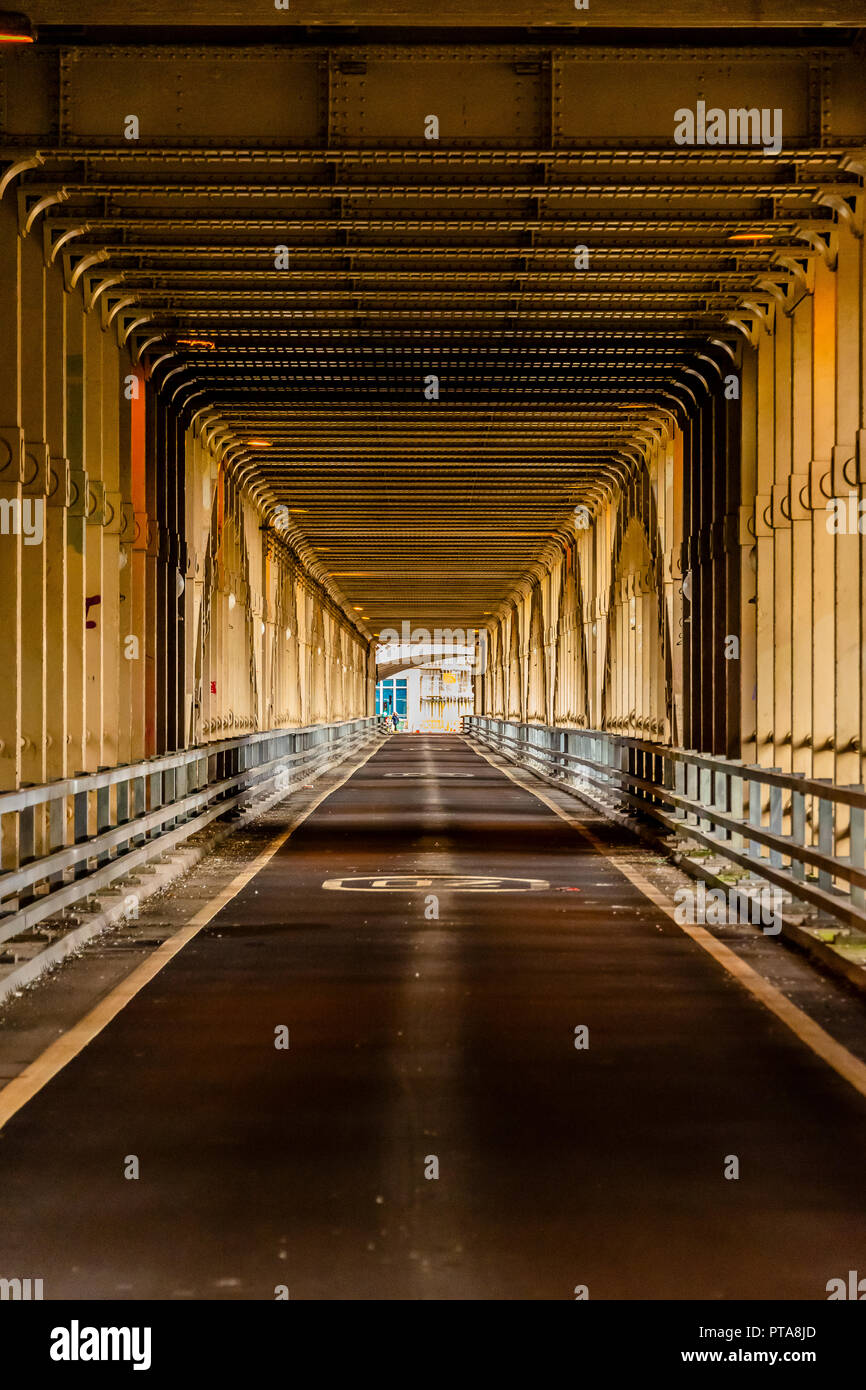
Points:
[[36, 887], [715, 801]]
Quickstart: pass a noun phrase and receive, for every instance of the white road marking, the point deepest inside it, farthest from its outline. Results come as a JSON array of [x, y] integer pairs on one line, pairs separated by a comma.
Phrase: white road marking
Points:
[[45, 1067], [843, 1062], [466, 883]]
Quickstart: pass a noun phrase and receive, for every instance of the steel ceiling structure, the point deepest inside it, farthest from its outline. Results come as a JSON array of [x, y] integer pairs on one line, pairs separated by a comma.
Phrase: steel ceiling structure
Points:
[[287, 250]]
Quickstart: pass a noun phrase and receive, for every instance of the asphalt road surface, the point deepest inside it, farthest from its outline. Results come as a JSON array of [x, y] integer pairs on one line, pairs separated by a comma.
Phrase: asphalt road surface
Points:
[[420, 1042]]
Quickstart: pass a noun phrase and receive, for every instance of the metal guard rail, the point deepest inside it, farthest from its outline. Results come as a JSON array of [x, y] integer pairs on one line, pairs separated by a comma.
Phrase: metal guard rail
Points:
[[63, 840], [735, 808]]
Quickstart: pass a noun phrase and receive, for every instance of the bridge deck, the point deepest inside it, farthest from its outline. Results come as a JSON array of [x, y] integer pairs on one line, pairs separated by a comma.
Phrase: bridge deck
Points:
[[413, 1037]]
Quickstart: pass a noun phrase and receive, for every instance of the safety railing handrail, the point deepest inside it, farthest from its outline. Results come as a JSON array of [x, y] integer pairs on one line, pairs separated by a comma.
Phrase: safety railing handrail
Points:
[[107, 777], [853, 794], [153, 802], [714, 809]]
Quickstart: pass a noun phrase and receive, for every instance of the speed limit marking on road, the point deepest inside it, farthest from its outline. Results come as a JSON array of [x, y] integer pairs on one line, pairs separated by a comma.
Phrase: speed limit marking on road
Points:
[[455, 883]]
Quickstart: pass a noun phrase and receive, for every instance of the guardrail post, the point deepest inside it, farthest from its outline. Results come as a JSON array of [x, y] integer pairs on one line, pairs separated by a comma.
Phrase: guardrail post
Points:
[[26, 835], [692, 786], [604, 751], [706, 796], [155, 795], [825, 834], [169, 783], [571, 768], [798, 832], [623, 765], [103, 816], [735, 795], [680, 770], [56, 833], [754, 819], [138, 788], [80, 828], [857, 845], [721, 804], [181, 782], [26, 845], [121, 802], [776, 819]]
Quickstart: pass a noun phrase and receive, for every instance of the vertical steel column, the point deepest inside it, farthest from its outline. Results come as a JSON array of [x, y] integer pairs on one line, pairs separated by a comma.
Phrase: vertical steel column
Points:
[[149, 537], [56, 544], [803, 502], [11, 476], [35, 484], [76, 535], [824, 544], [137, 527], [97, 637], [748, 663], [112, 522]]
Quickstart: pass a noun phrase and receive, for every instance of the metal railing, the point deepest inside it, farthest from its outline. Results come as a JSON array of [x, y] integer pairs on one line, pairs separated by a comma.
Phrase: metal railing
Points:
[[66, 839], [780, 827]]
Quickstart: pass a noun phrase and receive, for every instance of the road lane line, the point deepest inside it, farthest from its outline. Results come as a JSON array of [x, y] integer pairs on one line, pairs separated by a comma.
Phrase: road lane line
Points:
[[843, 1062], [45, 1067]]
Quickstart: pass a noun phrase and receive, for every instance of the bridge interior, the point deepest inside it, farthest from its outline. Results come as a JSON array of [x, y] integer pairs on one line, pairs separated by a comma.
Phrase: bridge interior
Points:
[[344, 330]]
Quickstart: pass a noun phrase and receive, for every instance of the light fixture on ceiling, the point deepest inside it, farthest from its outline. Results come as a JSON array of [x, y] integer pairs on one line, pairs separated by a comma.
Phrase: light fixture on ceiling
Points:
[[751, 236], [16, 28], [259, 444], [204, 343]]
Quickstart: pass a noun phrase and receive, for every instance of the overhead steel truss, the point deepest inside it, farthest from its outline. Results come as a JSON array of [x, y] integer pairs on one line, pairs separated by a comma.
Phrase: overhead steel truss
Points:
[[436, 374]]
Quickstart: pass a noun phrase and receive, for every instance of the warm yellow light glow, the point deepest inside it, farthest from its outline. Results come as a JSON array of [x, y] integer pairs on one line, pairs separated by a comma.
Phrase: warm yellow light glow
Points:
[[259, 443], [751, 236]]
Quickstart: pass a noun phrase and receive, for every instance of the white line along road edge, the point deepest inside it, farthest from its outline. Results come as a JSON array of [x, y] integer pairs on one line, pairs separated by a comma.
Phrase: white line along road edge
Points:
[[55, 1057], [843, 1062]]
